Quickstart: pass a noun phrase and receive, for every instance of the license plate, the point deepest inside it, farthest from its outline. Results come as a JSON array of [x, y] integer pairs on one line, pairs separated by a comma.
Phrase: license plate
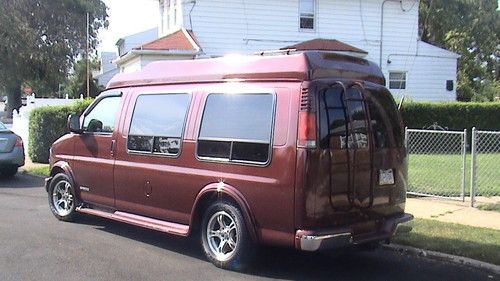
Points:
[[385, 177]]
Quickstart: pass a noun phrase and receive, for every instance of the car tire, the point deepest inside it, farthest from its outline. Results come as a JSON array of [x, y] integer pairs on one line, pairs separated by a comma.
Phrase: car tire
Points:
[[9, 171], [225, 238], [62, 197]]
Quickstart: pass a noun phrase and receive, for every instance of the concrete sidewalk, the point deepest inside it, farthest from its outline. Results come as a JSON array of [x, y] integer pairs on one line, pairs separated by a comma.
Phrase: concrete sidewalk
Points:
[[454, 212]]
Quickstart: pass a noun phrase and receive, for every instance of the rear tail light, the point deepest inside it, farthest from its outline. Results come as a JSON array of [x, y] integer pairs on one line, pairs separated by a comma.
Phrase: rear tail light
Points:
[[19, 142], [307, 130]]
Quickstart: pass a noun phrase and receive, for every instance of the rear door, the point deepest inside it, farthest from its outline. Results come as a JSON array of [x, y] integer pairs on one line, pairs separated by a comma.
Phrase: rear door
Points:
[[345, 137]]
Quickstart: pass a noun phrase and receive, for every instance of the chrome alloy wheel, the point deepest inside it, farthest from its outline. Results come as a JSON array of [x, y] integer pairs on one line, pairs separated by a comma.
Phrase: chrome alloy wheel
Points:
[[62, 198], [222, 235]]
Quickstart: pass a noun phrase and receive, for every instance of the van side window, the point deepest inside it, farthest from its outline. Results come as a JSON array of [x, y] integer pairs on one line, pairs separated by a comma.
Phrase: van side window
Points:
[[101, 119], [237, 127], [158, 123]]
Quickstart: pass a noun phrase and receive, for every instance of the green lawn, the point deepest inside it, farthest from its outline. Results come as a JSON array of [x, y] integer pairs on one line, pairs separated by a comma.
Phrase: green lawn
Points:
[[490, 207], [42, 170], [440, 174], [455, 239]]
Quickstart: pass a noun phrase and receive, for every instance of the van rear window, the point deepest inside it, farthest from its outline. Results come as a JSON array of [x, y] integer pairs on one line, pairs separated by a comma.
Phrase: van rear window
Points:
[[237, 127], [335, 114], [157, 123]]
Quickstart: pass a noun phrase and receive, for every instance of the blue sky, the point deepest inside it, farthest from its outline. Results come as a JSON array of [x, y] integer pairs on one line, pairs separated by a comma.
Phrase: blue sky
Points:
[[127, 17]]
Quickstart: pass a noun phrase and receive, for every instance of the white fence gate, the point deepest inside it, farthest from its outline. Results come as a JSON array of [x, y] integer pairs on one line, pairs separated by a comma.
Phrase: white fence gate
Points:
[[20, 120]]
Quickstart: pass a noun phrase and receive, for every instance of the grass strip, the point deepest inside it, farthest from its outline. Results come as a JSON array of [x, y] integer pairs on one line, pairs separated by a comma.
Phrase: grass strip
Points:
[[461, 240], [39, 170], [490, 207]]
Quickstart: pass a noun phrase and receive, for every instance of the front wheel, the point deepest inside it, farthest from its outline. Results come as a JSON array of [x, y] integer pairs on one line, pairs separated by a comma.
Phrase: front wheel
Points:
[[62, 199], [224, 236]]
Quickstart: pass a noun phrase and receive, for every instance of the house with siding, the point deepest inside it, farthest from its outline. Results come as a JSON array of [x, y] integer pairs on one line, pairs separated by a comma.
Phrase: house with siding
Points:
[[383, 31]]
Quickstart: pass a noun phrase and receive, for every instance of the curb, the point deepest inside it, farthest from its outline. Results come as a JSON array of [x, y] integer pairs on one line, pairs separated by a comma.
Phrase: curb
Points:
[[495, 269]]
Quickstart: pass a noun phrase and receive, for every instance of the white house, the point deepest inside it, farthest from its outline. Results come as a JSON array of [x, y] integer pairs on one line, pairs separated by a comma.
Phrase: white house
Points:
[[107, 70], [384, 31]]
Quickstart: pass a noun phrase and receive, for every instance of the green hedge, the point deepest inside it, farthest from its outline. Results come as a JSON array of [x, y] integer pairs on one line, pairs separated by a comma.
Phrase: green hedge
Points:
[[47, 124], [453, 115]]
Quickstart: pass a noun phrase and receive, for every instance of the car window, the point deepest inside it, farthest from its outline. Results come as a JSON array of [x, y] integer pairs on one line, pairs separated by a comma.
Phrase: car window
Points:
[[237, 127], [2, 126], [102, 117], [157, 123]]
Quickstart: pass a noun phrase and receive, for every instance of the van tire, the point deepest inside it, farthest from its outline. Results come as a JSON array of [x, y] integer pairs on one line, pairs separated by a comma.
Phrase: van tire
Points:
[[61, 189], [229, 245]]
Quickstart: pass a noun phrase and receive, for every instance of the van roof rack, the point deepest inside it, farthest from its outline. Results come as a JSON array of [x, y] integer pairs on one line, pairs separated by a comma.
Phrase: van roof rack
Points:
[[275, 52]]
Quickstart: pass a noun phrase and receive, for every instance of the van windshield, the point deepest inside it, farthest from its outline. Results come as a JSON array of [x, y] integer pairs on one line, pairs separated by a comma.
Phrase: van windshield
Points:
[[334, 118]]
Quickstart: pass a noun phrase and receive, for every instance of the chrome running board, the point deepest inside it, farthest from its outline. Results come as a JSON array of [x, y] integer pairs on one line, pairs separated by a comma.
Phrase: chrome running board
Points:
[[150, 223]]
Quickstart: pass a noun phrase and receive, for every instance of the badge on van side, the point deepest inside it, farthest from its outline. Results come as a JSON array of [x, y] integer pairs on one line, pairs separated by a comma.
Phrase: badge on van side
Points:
[[84, 188]]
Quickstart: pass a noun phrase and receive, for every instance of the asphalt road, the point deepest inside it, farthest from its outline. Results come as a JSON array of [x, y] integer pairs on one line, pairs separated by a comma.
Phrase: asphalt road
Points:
[[36, 246]]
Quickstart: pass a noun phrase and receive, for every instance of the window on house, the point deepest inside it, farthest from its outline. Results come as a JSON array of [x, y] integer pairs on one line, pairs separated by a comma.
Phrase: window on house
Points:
[[157, 123], [245, 135], [397, 80], [306, 11]]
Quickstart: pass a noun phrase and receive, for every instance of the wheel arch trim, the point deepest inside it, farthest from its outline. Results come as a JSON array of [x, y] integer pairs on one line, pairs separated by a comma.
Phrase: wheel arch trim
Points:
[[64, 166], [223, 189]]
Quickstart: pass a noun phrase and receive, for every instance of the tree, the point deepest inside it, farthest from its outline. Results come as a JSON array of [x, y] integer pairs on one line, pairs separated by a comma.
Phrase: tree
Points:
[[470, 28], [77, 82], [41, 39]]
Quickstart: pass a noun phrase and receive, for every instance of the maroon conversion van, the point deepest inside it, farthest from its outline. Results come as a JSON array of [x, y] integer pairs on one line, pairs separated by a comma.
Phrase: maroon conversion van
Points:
[[301, 150]]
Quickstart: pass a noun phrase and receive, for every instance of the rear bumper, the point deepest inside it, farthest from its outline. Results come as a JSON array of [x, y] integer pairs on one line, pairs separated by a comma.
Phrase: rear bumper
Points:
[[15, 157], [308, 240]]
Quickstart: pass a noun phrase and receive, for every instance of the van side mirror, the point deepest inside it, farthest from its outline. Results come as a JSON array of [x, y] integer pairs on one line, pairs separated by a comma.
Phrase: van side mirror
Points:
[[74, 124]]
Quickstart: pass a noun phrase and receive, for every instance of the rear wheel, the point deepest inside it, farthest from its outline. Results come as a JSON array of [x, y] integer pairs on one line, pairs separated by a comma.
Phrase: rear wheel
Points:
[[224, 236], [62, 199], [9, 171]]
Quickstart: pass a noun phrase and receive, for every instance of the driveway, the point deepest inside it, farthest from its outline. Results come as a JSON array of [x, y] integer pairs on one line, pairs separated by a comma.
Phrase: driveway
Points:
[[35, 246]]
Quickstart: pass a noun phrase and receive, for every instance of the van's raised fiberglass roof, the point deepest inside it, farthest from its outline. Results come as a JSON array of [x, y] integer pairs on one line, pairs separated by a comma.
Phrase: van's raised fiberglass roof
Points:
[[293, 67]]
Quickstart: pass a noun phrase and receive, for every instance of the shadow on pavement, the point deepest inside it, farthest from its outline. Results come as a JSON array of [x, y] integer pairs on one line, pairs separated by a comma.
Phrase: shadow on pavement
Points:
[[21, 181], [289, 264]]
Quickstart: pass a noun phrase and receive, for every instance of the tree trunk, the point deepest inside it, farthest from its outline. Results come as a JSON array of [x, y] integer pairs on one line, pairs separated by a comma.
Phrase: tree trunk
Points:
[[13, 90]]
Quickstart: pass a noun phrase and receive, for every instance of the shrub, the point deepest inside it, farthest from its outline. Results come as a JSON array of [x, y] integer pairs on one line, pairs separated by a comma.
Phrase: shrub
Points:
[[47, 124], [453, 115]]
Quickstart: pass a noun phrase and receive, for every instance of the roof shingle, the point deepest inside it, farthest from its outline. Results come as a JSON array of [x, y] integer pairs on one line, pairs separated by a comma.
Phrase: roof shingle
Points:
[[175, 41]]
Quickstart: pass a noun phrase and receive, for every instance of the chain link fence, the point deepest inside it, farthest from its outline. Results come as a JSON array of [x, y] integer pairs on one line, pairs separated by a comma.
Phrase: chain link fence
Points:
[[485, 163], [436, 163]]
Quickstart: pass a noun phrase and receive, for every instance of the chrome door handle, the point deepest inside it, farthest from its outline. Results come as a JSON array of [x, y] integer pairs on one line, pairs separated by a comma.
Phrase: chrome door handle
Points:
[[112, 148]]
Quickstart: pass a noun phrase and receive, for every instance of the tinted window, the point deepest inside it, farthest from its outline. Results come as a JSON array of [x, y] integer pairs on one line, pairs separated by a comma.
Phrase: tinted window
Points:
[[334, 116], [385, 120], [102, 117], [237, 127], [157, 123]]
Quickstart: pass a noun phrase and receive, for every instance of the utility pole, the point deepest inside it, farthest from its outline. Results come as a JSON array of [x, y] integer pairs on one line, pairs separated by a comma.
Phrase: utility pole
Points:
[[88, 59]]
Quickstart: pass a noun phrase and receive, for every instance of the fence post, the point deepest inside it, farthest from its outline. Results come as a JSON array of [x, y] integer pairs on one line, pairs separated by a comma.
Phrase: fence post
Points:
[[473, 180], [406, 139], [464, 153]]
